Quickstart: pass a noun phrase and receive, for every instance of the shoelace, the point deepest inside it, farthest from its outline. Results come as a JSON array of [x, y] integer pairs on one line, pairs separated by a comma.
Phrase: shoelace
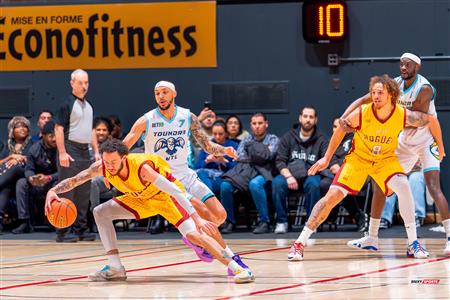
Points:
[[417, 247], [298, 247]]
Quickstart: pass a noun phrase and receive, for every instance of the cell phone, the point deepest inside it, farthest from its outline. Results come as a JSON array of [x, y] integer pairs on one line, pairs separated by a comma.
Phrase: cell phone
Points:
[[207, 104]]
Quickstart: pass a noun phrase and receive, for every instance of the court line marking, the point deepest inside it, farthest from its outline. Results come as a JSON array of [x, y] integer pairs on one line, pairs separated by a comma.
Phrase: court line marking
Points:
[[265, 291], [34, 283]]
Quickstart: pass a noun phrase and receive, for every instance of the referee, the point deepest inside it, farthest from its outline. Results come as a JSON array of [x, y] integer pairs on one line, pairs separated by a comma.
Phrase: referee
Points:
[[74, 133]]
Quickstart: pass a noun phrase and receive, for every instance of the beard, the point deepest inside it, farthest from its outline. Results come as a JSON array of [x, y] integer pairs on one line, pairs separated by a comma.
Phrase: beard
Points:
[[118, 170], [407, 76], [169, 104], [307, 127]]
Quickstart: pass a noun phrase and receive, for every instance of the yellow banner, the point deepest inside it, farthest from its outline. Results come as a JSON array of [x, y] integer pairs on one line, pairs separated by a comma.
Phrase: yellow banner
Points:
[[108, 36]]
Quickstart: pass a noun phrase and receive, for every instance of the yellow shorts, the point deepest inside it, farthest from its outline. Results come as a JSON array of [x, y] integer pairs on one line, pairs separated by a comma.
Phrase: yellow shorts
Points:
[[161, 203], [354, 171]]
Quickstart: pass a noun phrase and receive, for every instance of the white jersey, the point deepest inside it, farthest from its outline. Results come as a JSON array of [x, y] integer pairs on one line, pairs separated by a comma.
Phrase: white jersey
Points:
[[169, 138], [413, 136]]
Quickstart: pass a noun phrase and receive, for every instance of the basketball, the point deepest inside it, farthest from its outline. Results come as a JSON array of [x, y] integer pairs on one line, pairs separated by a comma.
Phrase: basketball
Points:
[[63, 213]]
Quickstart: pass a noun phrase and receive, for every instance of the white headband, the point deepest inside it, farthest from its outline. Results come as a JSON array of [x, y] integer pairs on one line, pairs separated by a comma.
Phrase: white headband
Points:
[[166, 84], [412, 57]]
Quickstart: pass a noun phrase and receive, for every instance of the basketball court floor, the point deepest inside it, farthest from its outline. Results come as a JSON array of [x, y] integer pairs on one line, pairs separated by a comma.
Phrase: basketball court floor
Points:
[[33, 266]]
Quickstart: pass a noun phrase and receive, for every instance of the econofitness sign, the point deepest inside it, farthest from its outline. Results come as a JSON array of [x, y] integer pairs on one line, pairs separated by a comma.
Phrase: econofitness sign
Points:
[[108, 36]]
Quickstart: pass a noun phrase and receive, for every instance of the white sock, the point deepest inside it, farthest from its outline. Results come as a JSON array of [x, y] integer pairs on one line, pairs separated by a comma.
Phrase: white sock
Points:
[[411, 231], [233, 266], [374, 225], [229, 252], [304, 236], [446, 224], [114, 261]]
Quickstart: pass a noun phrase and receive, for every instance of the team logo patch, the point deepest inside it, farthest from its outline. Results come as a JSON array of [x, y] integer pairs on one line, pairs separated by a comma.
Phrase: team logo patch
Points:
[[171, 144], [434, 150]]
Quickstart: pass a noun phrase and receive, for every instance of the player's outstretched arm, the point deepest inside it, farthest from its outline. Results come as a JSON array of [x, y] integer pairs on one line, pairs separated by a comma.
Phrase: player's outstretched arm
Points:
[[70, 183], [418, 119], [206, 144], [136, 131], [336, 139], [355, 104]]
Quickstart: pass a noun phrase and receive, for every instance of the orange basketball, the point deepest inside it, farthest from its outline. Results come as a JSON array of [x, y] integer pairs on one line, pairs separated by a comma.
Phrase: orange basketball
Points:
[[63, 213]]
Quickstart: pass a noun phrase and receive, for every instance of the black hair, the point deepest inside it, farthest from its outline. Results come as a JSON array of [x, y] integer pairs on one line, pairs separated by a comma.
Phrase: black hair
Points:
[[259, 114], [114, 145], [45, 111], [309, 107], [239, 121], [106, 121], [114, 119]]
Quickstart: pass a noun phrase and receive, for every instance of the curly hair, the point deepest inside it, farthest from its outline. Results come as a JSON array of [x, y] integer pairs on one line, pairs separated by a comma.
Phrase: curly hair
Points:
[[390, 84], [114, 145]]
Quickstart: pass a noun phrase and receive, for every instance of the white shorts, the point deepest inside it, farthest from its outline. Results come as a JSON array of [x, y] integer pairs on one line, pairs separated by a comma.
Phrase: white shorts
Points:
[[194, 185], [427, 153]]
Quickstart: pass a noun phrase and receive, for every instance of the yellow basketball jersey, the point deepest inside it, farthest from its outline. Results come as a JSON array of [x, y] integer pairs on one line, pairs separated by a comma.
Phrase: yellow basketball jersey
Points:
[[375, 140], [132, 185]]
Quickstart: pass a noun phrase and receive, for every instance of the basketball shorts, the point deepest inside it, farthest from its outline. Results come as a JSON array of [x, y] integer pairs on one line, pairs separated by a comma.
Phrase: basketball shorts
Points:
[[194, 185], [354, 172], [427, 153]]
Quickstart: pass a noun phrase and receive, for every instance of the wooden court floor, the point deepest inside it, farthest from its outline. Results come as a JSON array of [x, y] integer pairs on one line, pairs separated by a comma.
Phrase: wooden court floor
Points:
[[166, 269]]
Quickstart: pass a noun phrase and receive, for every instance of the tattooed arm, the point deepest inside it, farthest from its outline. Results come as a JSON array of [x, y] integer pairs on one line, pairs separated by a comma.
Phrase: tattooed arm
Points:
[[70, 183], [418, 119], [206, 144]]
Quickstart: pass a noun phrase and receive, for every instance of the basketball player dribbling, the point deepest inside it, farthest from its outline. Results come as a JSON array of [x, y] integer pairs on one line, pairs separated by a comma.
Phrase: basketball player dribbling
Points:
[[149, 189], [165, 131], [377, 126]]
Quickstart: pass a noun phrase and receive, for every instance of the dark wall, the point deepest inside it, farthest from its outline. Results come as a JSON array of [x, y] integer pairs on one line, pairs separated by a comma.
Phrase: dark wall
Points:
[[263, 42]]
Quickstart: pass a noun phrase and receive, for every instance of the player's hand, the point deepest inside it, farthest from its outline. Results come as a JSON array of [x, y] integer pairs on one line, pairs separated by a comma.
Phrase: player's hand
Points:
[[292, 183], [441, 152], [345, 125], [204, 226], [334, 168], [231, 152], [65, 159], [97, 156], [320, 165], [51, 196]]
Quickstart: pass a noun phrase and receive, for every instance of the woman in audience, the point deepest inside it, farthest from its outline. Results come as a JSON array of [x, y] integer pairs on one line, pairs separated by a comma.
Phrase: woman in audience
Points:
[[234, 128], [210, 168], [12, 159]]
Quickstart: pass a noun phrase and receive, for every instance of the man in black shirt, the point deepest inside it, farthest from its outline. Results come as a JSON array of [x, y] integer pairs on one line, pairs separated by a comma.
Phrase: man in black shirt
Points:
[[40, 175]]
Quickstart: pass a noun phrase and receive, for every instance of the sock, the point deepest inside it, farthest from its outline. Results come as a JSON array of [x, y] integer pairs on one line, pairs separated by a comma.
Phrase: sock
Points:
[[374, 225], [411, 231], [114, 261], [446, 224], [234, 267], [304, 236], [229, 252]]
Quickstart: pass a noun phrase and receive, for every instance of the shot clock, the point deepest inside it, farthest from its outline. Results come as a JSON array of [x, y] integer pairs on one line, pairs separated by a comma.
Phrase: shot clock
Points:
[[325, 21]]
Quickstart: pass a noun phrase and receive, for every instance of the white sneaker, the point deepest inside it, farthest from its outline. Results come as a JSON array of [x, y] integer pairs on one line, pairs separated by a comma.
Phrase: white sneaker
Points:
[[447, 248], [281, 228], [243, 276], [296, 252], [109, 274], [416, 250], [366, 243]]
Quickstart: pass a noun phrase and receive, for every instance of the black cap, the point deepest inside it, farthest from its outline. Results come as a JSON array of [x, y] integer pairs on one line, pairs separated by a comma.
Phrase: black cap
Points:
[[48, 128]]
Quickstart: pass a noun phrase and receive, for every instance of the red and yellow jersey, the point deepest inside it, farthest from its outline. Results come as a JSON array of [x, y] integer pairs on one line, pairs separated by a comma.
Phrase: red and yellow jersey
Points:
[[133, 185], [375, 140]]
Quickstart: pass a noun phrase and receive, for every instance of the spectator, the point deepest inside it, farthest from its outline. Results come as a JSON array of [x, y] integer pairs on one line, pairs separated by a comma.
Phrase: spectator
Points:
[[41, 174], [254, 168], [103, 129], [298, 150], [349, 203], [13, 159], [73, 131], [117, 131], [209, 167], [417, 183], [43, 117], [207, 117], [235, 130]]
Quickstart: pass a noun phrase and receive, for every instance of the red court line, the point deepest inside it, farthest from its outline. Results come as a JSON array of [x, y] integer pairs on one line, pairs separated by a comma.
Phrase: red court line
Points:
[[128, 271], [281, 288]]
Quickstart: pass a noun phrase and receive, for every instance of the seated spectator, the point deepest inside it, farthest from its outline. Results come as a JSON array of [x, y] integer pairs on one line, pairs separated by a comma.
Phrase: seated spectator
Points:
[[235, 130], [41, 174], [298, 150], [349, 203], [417, 183], [43, 117], [254, 168], [116, 131], [210, 168], [13, 159]]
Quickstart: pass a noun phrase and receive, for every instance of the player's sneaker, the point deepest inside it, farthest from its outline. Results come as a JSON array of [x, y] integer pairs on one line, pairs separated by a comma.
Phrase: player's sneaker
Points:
[[296, 252], [237, 259], [109, 274], [366, 243], [416, 250], [243, 276], [447, 248], [201, 252]]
